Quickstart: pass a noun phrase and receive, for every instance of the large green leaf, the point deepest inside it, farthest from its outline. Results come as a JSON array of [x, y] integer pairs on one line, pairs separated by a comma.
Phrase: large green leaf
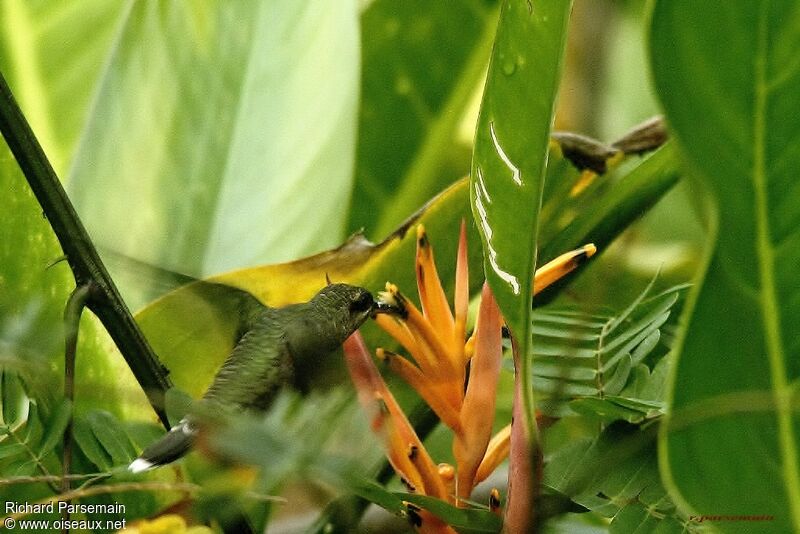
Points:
[[51, 54], [508, 170], [212, 123], [33, 294], [728, 77], [510, 152], [422, 62]]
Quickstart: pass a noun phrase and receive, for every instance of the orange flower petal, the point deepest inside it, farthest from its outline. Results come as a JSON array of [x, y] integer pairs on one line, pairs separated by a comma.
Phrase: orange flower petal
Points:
[[432, 356], [431, 294], [363, 373], [397, 452], [423, 330], [477, 412], [448, 475], [405, 447], [407, 444], [496, 452], [397, 328], [561, 266], [423, 385], [461, 300]]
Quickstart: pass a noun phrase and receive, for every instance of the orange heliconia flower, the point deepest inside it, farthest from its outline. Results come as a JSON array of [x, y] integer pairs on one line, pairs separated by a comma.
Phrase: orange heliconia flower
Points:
[[455, 375]]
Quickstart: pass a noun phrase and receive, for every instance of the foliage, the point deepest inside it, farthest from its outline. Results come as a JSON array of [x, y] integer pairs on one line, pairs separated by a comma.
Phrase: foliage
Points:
[[206, 139], [736, 371], [595, 359]]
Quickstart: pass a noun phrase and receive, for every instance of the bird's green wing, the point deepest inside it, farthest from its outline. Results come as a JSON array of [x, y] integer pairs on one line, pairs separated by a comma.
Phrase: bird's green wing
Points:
[[259, 365]]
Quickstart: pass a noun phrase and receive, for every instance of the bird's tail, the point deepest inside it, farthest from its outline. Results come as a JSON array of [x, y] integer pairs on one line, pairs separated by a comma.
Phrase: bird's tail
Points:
[[168, 449]]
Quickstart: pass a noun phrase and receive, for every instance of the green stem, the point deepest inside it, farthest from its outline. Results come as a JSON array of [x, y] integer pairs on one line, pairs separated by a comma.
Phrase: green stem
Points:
[[104, 299], [72, 323]]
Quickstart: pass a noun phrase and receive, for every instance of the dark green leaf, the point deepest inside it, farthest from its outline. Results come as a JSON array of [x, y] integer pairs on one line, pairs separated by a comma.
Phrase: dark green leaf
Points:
[[462, 519], [9, 448], [635, 517], [111, 436], [89, 444], [613, 408], [20, 468], [612, 472], [421, 64], [647, 345], [727, 75], [508, 168], [56, 425], [377, 494], [619, 377]]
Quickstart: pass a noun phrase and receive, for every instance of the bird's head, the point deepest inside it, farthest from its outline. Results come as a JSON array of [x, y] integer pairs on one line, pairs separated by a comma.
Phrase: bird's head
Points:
[[348, 306]]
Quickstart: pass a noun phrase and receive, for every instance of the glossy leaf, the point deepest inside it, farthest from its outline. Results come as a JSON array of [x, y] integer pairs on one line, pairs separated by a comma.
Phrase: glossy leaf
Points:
[[421, 64], [728, 79], [510, 157], [228, 112]]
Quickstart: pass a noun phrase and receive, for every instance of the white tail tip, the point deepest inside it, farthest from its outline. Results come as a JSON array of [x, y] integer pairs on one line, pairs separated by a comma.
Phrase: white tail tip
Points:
[[139, 465]]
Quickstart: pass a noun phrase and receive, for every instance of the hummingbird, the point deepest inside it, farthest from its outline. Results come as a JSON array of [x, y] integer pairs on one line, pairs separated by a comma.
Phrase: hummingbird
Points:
[[274, 343]]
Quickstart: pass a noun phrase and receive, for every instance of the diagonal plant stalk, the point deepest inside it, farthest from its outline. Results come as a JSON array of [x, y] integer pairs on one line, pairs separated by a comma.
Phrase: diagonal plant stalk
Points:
[[103, 298]]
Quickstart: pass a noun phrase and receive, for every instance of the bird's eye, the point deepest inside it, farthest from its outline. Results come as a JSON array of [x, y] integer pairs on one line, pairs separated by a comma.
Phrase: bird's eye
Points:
[[361, 303]]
